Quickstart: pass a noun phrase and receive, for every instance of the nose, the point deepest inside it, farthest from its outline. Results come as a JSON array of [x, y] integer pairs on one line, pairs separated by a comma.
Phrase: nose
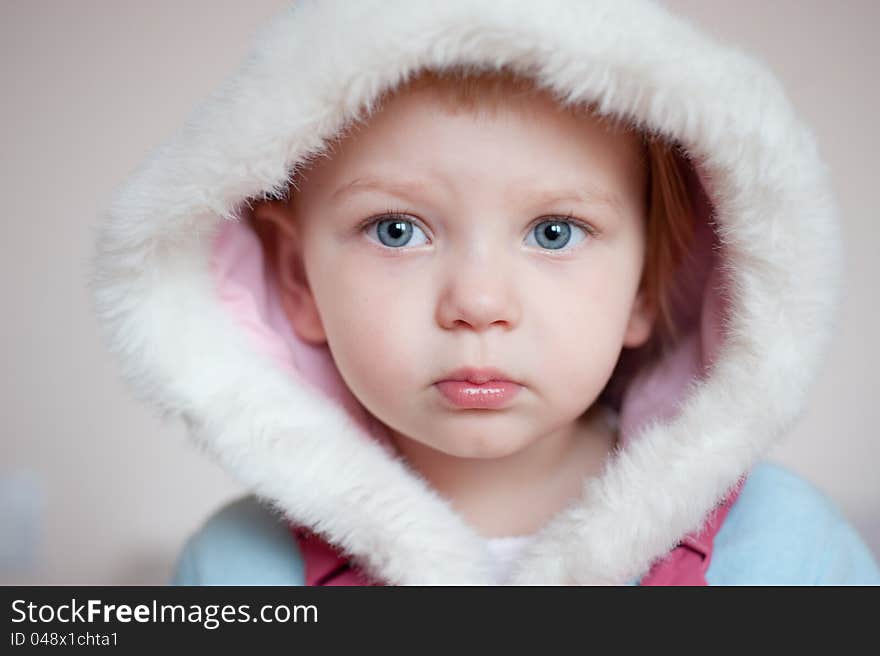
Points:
[[478, 292]]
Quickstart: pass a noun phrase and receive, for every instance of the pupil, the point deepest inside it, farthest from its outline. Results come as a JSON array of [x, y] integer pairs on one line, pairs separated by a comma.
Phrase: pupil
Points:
[[397, 230], [552, 231]]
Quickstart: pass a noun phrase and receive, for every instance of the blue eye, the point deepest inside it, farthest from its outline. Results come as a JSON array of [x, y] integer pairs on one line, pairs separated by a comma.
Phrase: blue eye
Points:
[[397, 231], [556, 234]]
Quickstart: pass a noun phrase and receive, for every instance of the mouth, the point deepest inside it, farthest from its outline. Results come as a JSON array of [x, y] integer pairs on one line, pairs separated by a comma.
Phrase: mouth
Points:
[[484, 388]]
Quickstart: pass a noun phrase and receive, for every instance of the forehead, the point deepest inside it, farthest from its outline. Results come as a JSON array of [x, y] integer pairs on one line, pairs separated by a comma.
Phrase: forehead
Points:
[[420, 137]]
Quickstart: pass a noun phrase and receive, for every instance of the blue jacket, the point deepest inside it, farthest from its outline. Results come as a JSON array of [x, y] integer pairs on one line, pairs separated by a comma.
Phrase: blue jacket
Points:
[[782, 530]]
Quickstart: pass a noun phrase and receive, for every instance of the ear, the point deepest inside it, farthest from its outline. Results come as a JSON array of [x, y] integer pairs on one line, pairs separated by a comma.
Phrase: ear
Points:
[[286, 247], [641, 321]]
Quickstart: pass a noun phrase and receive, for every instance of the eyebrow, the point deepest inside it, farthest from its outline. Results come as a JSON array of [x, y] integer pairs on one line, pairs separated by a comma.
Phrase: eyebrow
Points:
[[406, 189]]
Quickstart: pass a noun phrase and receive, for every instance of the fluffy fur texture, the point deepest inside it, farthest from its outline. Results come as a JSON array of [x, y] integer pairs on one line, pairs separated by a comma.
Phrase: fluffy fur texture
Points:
[[319, 65]]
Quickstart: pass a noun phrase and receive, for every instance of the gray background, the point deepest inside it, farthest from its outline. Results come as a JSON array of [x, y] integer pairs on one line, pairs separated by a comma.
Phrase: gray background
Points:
[[94, 489]]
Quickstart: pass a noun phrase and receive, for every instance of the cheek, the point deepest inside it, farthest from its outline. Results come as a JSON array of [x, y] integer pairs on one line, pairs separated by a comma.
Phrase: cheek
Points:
[[372, 317], [582, 322]]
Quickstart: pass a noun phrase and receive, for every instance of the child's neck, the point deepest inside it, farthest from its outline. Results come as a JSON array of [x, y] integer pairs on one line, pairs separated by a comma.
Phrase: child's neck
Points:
[[519, 493]]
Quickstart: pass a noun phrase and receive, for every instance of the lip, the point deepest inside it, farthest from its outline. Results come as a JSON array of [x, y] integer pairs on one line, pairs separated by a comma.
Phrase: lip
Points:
[[478, 375], [483, 388]]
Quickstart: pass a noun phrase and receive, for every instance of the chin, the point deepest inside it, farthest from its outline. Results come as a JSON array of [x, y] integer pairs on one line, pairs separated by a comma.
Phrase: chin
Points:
[[480, 448]]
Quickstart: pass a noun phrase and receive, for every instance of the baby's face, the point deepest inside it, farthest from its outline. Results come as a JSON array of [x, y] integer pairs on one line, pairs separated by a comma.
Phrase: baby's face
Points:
[[433, 241]]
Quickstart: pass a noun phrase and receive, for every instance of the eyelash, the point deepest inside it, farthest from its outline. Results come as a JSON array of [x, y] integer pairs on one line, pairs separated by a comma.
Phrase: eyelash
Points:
[[407, 215]]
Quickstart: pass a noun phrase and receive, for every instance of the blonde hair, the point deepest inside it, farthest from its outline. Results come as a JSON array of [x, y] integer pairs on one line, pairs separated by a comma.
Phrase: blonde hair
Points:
[[669, 219]]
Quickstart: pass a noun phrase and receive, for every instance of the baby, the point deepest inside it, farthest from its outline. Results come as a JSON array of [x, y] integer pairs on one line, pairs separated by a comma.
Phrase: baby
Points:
[[476, 256], [472, 293]]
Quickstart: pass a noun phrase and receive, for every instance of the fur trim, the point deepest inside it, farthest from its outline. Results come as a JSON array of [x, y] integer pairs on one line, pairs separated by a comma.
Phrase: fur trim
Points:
[[322, 63]]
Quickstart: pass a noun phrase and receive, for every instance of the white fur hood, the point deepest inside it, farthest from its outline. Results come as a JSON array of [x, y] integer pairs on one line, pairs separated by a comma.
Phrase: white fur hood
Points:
[[761, 304]]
